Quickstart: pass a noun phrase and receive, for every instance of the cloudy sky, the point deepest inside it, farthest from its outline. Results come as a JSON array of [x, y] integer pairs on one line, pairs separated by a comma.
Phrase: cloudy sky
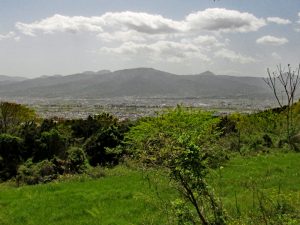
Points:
[[237, 37]]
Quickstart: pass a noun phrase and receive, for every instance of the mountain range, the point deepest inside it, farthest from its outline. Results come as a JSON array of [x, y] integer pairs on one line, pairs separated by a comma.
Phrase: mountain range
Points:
[[137, 82]]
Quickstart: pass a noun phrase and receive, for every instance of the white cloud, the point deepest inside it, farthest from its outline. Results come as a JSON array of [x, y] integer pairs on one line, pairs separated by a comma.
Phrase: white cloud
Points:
[[141, 22], [271, 40], [162, 50], [154, 37], [9, 35], [212, 19], [278, 20], [59, 23], [123, 21], [234, 56], [297, 29], [204, 42], [121, 36], [223, 20]]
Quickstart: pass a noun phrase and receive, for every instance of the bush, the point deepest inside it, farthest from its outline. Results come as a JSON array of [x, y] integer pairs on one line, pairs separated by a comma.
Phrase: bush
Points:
[[96, 172], [35, 173], [100, 147], [76, 160]]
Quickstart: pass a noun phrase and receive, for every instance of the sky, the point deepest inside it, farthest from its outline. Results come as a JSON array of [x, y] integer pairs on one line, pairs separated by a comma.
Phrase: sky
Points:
[[233, 37]]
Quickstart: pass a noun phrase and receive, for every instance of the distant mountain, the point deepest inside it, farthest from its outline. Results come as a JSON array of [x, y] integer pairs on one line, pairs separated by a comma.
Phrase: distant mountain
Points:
[[138, 82], [207, 73], [8, 79]]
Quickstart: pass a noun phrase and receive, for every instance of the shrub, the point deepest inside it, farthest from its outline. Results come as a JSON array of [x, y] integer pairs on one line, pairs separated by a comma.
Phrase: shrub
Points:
[[76, 160], [100, 147], [34, 173]]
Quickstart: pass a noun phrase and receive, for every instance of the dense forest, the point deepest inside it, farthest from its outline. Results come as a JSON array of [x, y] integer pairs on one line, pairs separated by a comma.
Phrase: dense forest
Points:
[[186, 145]]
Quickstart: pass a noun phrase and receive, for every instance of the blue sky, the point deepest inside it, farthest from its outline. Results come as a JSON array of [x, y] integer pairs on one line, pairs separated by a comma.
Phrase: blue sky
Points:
[[238, 37]]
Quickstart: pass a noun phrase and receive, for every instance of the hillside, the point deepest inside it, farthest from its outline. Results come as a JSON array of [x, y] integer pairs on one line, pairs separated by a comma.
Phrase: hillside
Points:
[[125, 196], [138, 82], [8, 79]]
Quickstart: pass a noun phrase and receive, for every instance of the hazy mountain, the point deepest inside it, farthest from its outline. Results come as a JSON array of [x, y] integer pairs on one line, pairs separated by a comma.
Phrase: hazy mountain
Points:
[[140, 82], [7, 79]]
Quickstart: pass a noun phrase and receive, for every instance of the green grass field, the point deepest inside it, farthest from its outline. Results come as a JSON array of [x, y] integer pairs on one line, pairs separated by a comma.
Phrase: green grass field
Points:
[[124, 196], [272, 178]]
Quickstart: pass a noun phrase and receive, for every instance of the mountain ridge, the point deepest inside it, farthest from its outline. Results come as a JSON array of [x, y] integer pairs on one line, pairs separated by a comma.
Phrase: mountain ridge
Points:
[[136, 82]]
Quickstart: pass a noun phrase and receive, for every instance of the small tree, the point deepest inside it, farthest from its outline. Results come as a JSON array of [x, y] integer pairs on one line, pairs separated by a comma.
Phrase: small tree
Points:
[[12, 114], [285, 82], [183, 143]]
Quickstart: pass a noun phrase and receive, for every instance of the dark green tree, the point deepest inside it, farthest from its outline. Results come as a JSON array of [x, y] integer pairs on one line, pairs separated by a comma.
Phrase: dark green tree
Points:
[[10, 155], [51, 144], [100, 147]]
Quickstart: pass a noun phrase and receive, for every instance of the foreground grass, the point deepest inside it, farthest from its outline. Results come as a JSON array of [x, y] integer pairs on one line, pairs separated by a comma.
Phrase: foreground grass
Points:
[[124, 196], [273, 179]]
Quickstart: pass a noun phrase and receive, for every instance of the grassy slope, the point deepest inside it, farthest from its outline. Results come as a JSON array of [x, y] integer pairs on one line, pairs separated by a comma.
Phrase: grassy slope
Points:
[[239, 182], [124, 197]]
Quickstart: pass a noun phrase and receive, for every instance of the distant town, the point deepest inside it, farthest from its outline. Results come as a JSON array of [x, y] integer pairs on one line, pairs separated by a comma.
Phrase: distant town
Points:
[[134, 107]]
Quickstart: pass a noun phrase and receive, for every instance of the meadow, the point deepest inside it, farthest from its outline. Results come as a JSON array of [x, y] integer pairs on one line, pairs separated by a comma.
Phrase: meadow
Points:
[[133, 196]]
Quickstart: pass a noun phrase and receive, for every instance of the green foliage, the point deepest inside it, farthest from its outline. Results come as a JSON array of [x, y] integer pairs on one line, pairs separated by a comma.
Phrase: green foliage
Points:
[[34, 173], [91, 125], [183, 142], [68, 144], [47, 125], [152, 135], [100, 147], [12, 115], [52, 143], [77, 160], [10, 155], [30, 133], [257, 132]]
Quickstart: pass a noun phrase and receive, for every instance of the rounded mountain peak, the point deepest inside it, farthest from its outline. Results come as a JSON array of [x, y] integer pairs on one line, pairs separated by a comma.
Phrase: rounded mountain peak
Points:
[[207, 73]]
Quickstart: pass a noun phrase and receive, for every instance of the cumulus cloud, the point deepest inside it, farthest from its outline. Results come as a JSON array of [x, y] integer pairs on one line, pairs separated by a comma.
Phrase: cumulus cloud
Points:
[[59, 23], [297, 29], [212, 19], [204, 41], [138, 34], [224, 20], [122, 36], [233, 56], [271, 40], [161, 50], [141, 22], [9, 35], [278, 20]]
